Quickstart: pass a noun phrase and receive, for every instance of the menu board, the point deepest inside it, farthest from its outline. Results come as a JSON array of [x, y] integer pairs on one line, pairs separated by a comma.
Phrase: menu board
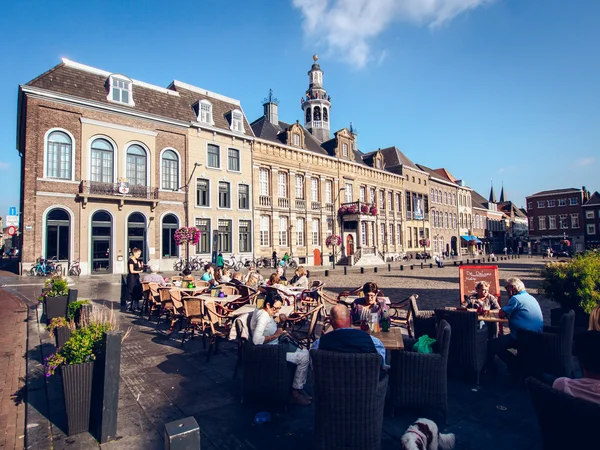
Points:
[[470, 275]]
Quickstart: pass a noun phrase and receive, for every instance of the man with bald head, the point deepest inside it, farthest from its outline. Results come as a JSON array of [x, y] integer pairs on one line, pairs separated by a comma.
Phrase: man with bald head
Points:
[[345, 339]]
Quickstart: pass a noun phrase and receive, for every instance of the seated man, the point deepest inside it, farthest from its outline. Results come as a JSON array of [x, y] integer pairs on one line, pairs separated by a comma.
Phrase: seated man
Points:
[[587, 349], [264, 330], [523, 312], [236, 279], [154, 277], [346, 339]]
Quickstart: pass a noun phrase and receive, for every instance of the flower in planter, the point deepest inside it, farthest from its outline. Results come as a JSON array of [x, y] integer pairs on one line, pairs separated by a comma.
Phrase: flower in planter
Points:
[[566, 242], [185, 235], [59, 322], [56, 287], [333, 240], [424, 242], [364, 209], [343, 210], [373, 210]]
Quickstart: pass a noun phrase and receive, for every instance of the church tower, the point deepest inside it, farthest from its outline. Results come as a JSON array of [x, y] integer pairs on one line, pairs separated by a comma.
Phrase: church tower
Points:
[[316, 104]]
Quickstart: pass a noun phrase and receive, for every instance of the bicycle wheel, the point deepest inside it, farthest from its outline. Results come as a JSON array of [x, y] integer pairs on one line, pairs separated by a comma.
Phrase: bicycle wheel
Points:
[[177, 266], [293, 264], [32, 272], [259, 263]]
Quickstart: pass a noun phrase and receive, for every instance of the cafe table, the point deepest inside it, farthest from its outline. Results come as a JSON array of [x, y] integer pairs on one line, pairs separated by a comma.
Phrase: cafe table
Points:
[[350, 299], [492, 317], [223, 300], [246, 309], [192, 291], [392, 340]]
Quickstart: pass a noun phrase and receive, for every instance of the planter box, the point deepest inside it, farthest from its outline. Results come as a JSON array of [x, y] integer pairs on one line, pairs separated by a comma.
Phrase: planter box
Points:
[[83, 312], [62, 335], [55, 307], [77, 386]]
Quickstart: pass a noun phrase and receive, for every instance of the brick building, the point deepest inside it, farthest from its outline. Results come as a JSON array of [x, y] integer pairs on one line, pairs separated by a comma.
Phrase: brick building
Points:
[[105, 162], [554, 216], [591, 218]]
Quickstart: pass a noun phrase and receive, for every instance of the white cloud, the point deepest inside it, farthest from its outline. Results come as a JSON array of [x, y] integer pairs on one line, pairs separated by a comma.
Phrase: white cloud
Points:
[[582, 162], [347, 27]]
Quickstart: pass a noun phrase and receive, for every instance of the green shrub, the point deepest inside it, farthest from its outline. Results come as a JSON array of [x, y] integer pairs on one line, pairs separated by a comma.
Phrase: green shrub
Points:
[[74, 307], [58, 322], [574, 284], [57, 286]]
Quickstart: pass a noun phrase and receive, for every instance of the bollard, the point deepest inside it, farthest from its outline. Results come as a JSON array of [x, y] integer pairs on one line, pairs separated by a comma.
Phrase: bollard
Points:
[[326, 272], [105, 390], [467, 261], [421, 265], [401, 267], [362, 270], [345, 270], [411, 267], [430, 266], [389, 267], [375, 269], [454, 263], [183, 434]]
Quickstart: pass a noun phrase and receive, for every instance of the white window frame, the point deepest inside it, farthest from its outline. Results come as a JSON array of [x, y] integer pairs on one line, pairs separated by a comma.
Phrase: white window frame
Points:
[[398, 234], [283, 231], [363, 233], [316, 231], [300, 187], [115, 156], [541, 222], [562, 202], [382, 231], [249, 196], [563, 224], [239, 160], [391, 234], [362, 193], [300, 231], [205, 115], [127, 86], [328, 191], [552, 222], [589, 214], [573, 201], [178, 169], [46, 136], [541, 204], [591, 228], [282, 191], [218, 147], [575, 221], [348, 192], [229, 194], [263, 181], [372, 196], [390, 202], [264, 240], [314, 189], [344, 149], [237, 121], [551, 203], [148, 160], [209, 192], [296, 139]]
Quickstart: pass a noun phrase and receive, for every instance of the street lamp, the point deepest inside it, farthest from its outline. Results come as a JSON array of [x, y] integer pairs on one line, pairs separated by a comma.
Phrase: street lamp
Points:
[[185, 201], [335, 220]]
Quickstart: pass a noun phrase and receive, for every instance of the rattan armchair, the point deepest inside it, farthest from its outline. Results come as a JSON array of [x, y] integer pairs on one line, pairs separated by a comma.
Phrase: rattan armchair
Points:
[[309, 298], [303, 325], [550, 351], [193, 318], [217, 324], [423, 321], [565, 422], [267, 377], [400, 313], [420, 380], [468, 348], [349, 397]]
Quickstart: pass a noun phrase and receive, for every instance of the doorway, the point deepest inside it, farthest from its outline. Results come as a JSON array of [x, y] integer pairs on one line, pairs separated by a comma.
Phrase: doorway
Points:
[[58, 235], [136, 234], [317, 257], [349, 245], [101, 238]]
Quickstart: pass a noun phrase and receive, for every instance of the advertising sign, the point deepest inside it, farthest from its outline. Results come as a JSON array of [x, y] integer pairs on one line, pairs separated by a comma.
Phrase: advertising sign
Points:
[[418, 205], [12, 221]]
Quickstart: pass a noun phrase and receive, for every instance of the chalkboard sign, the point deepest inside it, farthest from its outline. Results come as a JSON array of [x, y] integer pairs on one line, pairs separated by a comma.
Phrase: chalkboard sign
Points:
[[469, 276]]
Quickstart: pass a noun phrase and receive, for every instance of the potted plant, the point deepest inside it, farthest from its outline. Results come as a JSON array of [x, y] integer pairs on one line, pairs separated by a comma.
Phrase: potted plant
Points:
[[575, 285], [76, 309], [61, 328], [75, 359], [55, 297]]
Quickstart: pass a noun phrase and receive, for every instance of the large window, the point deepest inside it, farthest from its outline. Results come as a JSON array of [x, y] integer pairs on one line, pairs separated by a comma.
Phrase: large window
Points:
[[263, 182], [391, 234], [390, 202], [563, 221], [344, 149], [348, 192], [300, 231], [575, 220], [264, 231], [170, 170], [233, 159], [205, 235], [542, 223], [362, 193], [136, 165], [243, 196], [282, 185], [382, 231], [398, 234], [169, 248], [224, 194], [283, 231], [245, 236], [551, 203], [316, 227], [224, 236], [552, 222], [314, 189], [58, 234], [213, 156], [202, 192], [300, 187], [59, 162], [372, 195], [328, 190], [363, 234], [102, 161], [120, 91]]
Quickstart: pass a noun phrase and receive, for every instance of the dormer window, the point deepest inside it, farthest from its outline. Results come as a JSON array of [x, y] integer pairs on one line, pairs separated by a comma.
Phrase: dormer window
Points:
[[237, 121], [296, 138], [119, 90], [344, 149], [205, 112]]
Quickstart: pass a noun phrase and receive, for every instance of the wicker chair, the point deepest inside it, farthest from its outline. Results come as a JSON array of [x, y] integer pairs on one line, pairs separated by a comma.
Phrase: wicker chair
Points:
[[399, 317], [303, 326], [565, 422], [424, 322], [267, 377], [193, 318], [309, 298], [421, 380], [548, 352], [217, 323], [468, 349], [349, 397]]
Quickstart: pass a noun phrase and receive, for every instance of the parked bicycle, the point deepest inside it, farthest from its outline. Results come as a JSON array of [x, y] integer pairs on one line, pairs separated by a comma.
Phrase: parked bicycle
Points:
[[46, 268], [75, 268], [233, 263]]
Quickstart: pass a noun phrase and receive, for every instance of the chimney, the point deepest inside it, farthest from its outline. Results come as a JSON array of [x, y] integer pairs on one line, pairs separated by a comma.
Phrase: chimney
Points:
[[271, 108]]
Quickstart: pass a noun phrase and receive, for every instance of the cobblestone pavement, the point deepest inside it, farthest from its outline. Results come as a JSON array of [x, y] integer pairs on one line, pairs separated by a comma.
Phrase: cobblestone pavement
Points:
[[161, 381]]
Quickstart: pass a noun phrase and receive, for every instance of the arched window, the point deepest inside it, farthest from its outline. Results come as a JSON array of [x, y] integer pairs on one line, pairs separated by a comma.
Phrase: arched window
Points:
[[103, 155], [59, 155], [170, 170], [308, 114], [446, 220], [58, 234], [136, 165], [325, 115], [101, 241], [317, 113], [136, 233], [169, 225], [460, 220], [432, 195]]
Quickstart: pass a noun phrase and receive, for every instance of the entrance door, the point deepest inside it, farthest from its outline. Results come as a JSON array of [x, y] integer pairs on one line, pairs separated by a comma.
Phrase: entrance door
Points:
[[58, 236], [349, 245], [101, 238], [136, 234], [317, 257]]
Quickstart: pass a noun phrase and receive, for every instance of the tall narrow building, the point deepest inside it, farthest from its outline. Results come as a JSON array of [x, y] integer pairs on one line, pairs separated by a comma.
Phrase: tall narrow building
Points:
[[316, 104]]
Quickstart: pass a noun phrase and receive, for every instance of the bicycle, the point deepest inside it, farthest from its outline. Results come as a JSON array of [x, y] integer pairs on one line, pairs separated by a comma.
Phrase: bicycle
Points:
[[45, 268], [234, 264], [75, 269]]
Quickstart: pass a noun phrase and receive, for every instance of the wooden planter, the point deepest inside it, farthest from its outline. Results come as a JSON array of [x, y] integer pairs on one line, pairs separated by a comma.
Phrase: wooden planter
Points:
[[55, 307], [77, 386], [62, 335]]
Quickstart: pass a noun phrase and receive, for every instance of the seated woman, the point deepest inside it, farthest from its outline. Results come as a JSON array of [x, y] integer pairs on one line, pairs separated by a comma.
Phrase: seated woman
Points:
[[225, 275], [275, 282], [187, 275], [264, 331], [301, 278], [209, 274], [363, 307], [482, 298]]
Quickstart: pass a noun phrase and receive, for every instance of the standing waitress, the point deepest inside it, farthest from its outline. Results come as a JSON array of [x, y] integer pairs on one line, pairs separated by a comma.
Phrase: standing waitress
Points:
[[134, 287]]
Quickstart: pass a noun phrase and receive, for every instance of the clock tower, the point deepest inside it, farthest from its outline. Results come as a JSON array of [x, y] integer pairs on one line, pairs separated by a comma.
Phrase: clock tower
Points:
[[316, 104]]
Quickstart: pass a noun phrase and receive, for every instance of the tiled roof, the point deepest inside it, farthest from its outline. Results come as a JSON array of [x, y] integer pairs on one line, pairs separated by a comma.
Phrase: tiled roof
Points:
[[268, 131], [594, 200], [478, 200], [508, 207], [175, 102], [445, 174], [556, 191], [393, 157]]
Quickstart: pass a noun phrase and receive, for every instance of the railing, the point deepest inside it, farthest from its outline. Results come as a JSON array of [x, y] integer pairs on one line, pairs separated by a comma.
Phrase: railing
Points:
[[264, 200], [329, 207], [357, 255], [283, 202], [99, 188], [367, 209], [315, 206], [300, 203], [380, 255]]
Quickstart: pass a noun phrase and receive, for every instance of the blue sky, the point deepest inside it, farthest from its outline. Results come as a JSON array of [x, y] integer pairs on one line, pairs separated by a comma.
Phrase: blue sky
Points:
[[490, 89]]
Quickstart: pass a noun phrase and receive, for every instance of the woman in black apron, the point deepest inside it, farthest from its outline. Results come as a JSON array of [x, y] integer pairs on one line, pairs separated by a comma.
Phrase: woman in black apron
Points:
[[134, 286]]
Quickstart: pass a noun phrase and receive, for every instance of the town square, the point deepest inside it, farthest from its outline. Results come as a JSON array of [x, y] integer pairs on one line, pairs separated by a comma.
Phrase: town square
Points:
[[346, 224]]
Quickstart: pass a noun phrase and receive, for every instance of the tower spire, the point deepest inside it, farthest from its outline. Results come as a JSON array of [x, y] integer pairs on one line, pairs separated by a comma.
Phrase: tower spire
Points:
[[502, 193], [316, 104], [492, 198]]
